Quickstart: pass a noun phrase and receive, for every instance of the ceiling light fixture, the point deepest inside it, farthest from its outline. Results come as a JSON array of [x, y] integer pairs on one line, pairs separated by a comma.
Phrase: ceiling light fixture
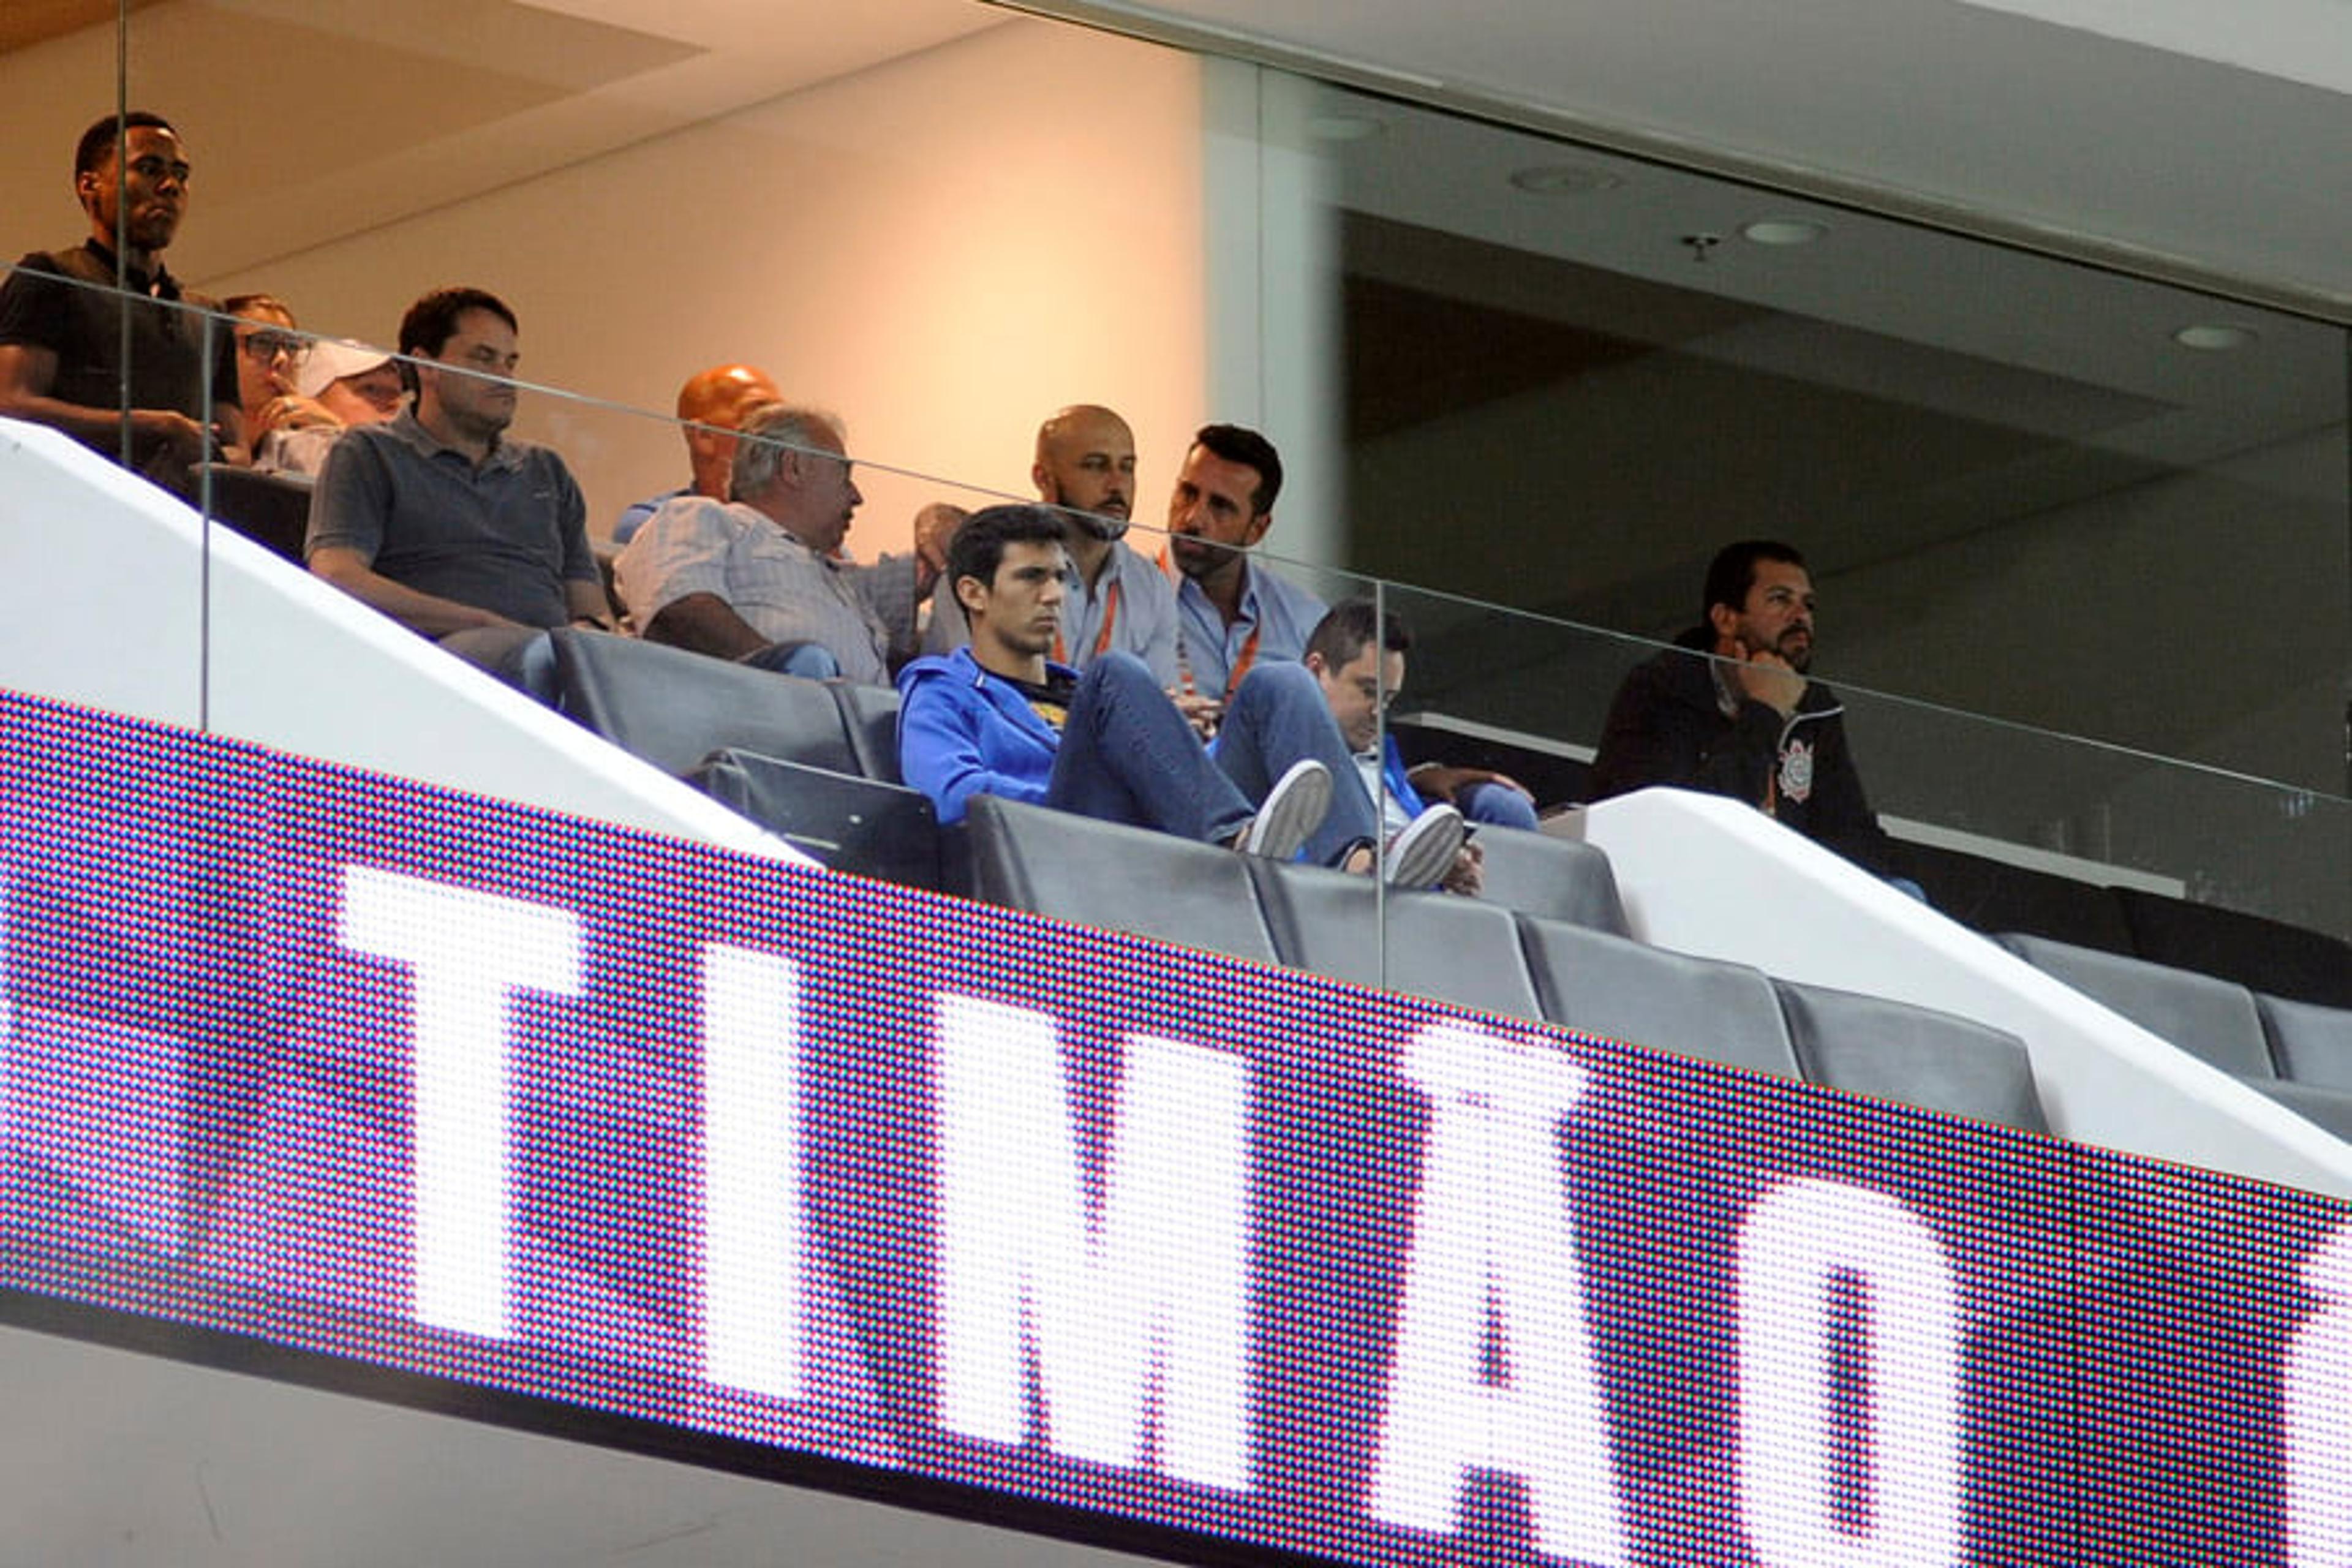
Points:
[[1784, 230], [2214, 337], [1566, 180]]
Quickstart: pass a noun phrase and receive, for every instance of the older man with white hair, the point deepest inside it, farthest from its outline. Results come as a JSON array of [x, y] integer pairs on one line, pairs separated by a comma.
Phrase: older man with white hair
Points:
[[756, 578]]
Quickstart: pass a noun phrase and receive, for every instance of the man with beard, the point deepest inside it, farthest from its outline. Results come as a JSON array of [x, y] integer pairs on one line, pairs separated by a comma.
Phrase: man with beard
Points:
[[63, 359], [1746, 722], [1232, 614], [1118, 600]]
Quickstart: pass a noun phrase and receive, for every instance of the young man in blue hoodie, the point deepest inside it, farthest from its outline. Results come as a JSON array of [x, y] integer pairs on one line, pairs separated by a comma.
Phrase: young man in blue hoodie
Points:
[[997, 717]]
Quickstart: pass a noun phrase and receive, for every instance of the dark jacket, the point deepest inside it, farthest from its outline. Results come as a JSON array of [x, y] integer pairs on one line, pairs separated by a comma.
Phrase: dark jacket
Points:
[[1668, 726]]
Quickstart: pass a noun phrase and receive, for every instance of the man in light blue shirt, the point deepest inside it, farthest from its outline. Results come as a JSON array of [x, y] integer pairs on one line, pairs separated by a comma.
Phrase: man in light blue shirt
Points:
[[1230, 614]]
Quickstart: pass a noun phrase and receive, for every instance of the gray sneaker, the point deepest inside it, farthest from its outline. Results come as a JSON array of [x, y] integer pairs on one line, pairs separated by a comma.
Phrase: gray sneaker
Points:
[[1423, 851], [1292, 809]]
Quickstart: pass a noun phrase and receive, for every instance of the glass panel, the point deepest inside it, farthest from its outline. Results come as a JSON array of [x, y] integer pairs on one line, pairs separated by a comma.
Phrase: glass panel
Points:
[[2026, 488], [107, 583], [1962, 795]]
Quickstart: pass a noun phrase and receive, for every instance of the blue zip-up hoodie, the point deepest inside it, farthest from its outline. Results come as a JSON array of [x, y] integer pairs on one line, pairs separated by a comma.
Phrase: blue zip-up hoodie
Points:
[[963, 731]]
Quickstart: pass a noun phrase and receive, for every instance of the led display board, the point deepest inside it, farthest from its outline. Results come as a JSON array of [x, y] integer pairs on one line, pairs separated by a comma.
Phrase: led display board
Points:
[[956, 1202]]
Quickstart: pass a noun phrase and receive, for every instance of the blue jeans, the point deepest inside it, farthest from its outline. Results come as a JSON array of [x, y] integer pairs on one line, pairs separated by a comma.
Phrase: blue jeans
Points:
[[1497, 804], [1127, 755], [809, 660], [1279, 717], [522, 657]]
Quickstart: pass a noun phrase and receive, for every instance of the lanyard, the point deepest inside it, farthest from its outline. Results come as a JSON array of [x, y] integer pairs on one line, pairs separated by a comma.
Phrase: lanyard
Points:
[[1102, 637]]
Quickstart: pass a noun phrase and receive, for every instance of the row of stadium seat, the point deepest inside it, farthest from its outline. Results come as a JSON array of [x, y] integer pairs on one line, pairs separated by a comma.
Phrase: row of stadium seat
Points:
[[1479, 954], [2299, 1053], [816, 762]]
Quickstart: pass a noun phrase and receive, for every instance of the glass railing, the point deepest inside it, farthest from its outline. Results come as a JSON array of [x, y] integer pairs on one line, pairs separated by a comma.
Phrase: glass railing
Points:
[[1482, 687]]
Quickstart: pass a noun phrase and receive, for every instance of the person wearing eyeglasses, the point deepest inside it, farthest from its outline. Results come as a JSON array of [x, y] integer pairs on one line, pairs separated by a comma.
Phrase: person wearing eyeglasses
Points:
[[163, 407], [270, 354]]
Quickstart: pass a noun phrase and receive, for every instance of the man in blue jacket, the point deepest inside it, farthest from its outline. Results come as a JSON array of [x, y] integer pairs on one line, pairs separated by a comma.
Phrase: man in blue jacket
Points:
[[998, 718]]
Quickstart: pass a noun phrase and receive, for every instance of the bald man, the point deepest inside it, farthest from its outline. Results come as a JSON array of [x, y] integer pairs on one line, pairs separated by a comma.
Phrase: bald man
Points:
[[1116, 598], [718, 398]]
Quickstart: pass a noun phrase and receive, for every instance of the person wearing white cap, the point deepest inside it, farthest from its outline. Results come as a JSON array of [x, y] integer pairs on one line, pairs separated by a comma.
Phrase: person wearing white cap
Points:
[[342, 384]]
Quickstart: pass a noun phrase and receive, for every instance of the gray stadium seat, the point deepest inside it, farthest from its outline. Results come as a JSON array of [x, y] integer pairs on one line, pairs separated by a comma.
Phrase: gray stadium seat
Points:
[[2311, 1044], [1447, 949], [1611, 985], [1121, 879], [848, 823], [1893, 1050], [674, 709], [1556, 879], [2212, 1020], [870, 713]]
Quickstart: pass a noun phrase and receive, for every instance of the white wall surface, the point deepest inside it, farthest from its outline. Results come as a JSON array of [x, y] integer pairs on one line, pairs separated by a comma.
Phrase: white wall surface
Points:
[[942, 249]]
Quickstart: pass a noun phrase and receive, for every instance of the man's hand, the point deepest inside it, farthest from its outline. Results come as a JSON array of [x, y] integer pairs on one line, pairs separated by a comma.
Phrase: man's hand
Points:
[[292, 413], [1771, 679], [934, 525], [187, 441], [1442, 781], [1203, 713], [1467, 876]]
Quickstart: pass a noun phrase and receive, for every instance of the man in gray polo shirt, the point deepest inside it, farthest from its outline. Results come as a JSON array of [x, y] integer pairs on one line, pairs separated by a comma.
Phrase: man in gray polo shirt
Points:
[[440, 521]]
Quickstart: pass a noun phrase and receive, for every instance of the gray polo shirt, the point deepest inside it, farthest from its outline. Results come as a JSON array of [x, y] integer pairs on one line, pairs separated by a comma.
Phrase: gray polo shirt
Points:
[[504, 537]]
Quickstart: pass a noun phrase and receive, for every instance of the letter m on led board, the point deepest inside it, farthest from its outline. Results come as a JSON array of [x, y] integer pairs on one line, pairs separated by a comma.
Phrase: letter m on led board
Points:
[[1142, 1305]]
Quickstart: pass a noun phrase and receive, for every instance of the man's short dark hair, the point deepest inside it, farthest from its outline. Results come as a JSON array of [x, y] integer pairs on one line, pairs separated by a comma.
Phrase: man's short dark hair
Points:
[[1239, 444], [432, 321], [978, 548], [98, 143], [1344, 630], [1733, 571]]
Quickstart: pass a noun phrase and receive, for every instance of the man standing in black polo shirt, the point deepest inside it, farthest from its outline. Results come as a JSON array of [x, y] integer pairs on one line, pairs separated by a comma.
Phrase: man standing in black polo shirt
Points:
[[63, 360]]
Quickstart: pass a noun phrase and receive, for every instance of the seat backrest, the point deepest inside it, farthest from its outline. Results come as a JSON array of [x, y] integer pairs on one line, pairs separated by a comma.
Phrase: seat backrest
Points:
[[1436, 945], [1555, 878], [2311, 1044], [2212, 1020], [674, 709], [1095, 873], [870, 714], [267, 509], [849, 823], [2259, 953], [1893, 1050], [1607, 984]]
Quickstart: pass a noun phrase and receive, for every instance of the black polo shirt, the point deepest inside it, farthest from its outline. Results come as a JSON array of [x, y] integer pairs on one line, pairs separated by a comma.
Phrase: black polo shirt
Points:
[[65, 301]]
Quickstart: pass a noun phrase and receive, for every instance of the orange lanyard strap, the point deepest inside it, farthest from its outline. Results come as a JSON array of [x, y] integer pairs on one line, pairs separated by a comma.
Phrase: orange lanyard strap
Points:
[[1242, 665], [1110, 621], [1102, 639]]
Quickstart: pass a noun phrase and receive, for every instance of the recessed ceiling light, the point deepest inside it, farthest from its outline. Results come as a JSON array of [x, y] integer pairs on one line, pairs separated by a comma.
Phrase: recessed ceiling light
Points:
[[2214, 337], [1566, 180], [1784, 230], [1343, 127]]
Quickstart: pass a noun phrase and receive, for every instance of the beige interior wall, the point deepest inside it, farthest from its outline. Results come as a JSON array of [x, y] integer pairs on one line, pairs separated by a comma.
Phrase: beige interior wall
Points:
[[941, 249]]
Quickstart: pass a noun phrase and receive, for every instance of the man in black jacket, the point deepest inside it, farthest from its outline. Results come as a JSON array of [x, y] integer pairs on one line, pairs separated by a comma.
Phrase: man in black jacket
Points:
[[1746, 722]]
